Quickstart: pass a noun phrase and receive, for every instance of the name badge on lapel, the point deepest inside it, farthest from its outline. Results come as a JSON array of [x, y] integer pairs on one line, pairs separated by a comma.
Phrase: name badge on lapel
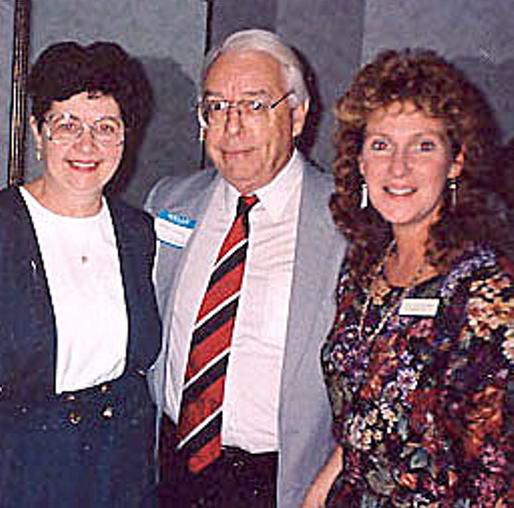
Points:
[[174, 229], [426, 307]]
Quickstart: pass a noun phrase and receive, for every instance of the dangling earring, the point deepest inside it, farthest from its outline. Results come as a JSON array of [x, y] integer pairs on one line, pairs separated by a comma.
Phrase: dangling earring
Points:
[[38, 154], [201, 136], [364, 195], [452, 185]]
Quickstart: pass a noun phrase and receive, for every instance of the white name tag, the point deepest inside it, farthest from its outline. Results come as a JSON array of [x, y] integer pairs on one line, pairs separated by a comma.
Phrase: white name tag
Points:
[[419, 307], [174, 229]]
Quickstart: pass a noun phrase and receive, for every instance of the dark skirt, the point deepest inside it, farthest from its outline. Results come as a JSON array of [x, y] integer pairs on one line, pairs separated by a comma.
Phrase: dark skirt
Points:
[[92, 448]]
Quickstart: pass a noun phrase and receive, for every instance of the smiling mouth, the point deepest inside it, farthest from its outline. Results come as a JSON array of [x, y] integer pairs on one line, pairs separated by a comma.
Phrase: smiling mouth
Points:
[[83, 166], [235, 152], [406, 191]]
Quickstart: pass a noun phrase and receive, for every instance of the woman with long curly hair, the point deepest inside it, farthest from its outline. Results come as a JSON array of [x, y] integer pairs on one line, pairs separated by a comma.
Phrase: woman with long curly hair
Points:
[[419, 364]]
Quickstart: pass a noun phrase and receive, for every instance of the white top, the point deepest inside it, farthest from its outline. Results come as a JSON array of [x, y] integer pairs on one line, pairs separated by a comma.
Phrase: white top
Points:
[[251, 401], [82, 267]]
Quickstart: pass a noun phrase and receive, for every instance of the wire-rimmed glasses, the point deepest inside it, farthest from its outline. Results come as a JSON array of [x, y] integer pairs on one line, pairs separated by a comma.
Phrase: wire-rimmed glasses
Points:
[[214, 112], [66, 128]]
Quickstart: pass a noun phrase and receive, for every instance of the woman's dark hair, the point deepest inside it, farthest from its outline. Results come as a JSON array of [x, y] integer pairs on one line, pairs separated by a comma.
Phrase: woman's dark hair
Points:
[[505, 163], [67, 68], [439, 90]]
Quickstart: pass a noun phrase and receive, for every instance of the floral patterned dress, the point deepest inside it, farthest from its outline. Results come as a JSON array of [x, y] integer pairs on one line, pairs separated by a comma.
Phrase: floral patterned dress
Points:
[[424, 410]]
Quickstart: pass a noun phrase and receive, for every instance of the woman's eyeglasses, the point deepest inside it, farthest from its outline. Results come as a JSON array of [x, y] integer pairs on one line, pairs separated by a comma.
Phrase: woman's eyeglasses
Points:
[[66, 128]]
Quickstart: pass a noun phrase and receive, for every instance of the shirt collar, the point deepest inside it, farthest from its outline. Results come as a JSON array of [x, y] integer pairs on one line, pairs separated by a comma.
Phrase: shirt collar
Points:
[[273, 197]]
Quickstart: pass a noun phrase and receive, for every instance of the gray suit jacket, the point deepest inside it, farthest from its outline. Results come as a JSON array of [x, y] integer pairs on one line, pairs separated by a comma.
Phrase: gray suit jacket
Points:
[[305, 438]]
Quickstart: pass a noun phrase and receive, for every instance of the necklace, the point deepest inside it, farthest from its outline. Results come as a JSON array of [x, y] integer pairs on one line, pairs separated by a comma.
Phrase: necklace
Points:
[[388, 314]]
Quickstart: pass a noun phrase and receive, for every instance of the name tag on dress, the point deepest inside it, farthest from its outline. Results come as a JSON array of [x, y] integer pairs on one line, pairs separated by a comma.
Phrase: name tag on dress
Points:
[[419, 307], [174, 229]]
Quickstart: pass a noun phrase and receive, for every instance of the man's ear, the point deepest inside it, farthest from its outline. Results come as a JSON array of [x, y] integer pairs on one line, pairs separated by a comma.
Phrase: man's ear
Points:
[[299, 117]]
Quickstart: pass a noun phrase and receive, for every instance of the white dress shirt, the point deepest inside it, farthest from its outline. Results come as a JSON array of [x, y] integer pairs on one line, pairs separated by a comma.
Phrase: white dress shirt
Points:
[[82, 267], [252, 387]]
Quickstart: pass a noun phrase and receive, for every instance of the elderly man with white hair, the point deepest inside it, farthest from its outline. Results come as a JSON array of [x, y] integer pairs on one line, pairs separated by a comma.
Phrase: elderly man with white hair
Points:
[[246, 268]]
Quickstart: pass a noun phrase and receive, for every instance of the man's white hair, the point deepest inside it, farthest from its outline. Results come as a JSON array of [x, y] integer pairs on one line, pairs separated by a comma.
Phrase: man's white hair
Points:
[[272, 44]]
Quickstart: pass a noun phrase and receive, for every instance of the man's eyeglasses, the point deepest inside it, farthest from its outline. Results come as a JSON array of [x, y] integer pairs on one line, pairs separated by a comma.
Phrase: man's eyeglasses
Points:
[[66, 128], [215, 111]]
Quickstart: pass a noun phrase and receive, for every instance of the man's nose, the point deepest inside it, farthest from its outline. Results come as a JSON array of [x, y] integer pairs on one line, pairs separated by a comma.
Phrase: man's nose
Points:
[[233, 120]]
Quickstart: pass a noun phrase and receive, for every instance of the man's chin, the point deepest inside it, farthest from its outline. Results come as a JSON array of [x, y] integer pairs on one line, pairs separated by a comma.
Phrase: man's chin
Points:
[[240, 178]]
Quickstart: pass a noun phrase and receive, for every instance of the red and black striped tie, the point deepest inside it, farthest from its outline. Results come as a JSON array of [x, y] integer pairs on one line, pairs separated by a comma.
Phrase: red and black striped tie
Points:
[[199, 426]]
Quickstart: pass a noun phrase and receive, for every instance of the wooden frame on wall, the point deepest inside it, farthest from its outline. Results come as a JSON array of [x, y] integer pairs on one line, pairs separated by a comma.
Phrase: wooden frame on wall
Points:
[[18, 120]]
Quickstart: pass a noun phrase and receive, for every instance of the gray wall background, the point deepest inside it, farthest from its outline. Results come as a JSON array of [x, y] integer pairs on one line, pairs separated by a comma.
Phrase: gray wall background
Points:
[[334, 37]]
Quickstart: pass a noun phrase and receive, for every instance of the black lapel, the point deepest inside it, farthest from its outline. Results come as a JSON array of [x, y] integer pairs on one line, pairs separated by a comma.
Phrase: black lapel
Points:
[[28, 348], [136, 251]]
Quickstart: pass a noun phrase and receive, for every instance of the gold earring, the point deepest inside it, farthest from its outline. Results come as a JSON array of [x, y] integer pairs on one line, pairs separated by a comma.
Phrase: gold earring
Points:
[[38, 154]]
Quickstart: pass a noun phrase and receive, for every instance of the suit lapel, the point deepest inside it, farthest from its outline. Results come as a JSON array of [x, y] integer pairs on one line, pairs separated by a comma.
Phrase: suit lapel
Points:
[[35, 330], [132, 244], [123, 235], [172, 260], [314, 277]]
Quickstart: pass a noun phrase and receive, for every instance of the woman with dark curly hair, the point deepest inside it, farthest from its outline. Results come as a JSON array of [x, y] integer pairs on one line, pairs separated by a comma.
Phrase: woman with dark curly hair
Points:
[[419, 364], [79, 326]]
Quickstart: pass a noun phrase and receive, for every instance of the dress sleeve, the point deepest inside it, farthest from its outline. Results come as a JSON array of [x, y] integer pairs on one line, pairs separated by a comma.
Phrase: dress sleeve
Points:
[[479, 405]]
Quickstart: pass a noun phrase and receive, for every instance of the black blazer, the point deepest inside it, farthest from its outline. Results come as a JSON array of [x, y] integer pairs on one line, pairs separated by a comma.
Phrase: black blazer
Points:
[[27, 321]]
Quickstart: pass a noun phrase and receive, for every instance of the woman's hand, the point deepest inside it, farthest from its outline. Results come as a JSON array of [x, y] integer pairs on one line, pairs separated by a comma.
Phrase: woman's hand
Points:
[[316, 495]]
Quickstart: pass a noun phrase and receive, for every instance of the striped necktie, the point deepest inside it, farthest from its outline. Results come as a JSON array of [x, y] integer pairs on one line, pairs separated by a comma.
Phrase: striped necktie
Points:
[[199, 426]]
